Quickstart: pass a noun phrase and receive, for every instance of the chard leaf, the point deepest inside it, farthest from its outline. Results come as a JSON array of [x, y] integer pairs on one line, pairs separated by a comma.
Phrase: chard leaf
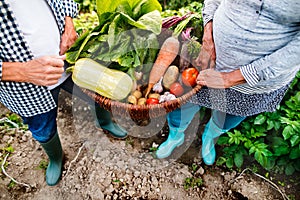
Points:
[[137, 7], [152, 21], [145, 6], [107, 6], [143, 14], [73, 54]]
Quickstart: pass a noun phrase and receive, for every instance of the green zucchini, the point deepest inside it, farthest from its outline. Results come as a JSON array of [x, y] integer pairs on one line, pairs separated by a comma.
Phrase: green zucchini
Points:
[[111, 83]]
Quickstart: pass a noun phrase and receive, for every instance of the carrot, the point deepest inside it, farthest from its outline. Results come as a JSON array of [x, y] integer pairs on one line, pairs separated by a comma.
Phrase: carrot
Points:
[[167, 54]]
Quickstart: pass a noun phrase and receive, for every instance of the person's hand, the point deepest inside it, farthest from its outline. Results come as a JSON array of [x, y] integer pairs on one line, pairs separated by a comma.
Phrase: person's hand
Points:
[[207, 56], [43, 71], [214, 79], [68, 37]]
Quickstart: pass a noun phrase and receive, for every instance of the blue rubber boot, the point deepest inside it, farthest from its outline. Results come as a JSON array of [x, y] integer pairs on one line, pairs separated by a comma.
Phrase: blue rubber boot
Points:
[[54, 151], [104, 121], [175, 139], [178, 122], [212, 131]]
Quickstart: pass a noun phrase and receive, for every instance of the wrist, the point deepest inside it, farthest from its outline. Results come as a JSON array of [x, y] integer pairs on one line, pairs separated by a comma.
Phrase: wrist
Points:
[[69, 22], [12, 71], [233, 78]]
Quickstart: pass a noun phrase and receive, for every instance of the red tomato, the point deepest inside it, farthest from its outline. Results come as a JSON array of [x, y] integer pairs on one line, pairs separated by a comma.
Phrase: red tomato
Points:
[[152, 101], [189, 76], [176, 89]]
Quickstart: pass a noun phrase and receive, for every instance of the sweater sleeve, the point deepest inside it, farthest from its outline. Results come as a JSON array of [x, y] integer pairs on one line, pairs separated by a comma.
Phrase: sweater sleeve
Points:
[[284, 60], [71, 8], [209, 8]]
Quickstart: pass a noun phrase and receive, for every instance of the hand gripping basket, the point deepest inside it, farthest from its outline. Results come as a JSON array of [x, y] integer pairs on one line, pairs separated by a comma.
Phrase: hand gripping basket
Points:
[[141, 112]]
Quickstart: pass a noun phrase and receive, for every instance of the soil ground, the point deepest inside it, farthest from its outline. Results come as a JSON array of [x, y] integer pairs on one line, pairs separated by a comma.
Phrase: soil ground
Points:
[[98, 166]]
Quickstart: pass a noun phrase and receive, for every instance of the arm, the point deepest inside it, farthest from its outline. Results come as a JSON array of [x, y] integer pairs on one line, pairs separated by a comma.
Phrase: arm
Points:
[[69, 35], [214, 79], [42, 71], [284, 60], [207, 55]]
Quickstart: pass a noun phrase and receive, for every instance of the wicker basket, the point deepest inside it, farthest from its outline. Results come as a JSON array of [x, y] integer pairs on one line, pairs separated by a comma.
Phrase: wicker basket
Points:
[[141, 112]]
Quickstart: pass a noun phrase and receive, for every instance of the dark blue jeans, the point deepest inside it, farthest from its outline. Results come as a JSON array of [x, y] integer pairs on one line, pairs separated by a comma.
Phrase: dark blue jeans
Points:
[[43, 126]]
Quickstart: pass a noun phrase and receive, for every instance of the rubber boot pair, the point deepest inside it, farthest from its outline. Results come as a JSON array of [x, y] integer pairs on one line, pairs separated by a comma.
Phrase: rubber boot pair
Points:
[[55, 154], [175, 139], [104, 121]]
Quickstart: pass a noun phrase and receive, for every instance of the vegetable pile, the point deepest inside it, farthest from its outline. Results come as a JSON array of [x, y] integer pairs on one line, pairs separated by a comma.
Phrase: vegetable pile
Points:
[[151, 54]]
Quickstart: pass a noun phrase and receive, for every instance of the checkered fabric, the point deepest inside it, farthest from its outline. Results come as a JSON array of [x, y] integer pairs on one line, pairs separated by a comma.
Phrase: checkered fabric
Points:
[[26, 99]]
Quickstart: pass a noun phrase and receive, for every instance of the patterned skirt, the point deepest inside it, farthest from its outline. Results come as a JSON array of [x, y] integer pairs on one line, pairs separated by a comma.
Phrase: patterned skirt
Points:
[[237, 103]]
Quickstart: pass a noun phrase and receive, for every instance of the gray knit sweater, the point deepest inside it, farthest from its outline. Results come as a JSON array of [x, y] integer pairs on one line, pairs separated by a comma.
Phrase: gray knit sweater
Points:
[[259, 37]]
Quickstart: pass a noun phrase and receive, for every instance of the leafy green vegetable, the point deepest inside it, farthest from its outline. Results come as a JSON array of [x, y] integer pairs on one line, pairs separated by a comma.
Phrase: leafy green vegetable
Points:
[[126, 35]]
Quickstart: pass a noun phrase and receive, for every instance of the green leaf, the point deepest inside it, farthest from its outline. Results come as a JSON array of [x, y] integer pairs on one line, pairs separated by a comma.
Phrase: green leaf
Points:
[[260, 119], [151, 21], [270, 163], [297, 164], [146, 6], [295, 153], [246, 125], [9, 149], [238, 159], [223, 140], [107, 6], [248, 144], [287, 132], [270, 123], [281, 150], [266, 152], [297, 98], [133, 9], [295, 139], [279, 146], [261, 159], [258, 134], [229, 162], [231, 137], [252, 150], [277, 125], [282, 161], [74, 52], [290, 169], [220, 161]]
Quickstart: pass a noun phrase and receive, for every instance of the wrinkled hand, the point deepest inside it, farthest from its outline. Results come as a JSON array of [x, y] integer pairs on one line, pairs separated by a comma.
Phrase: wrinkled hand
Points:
[[68, 37], [43, 71], [214, 79], [211, 78], [207, 56]]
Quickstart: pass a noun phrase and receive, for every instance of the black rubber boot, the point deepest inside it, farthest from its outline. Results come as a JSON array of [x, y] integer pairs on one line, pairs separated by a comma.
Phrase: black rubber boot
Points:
[[104, 121], [54, 151]]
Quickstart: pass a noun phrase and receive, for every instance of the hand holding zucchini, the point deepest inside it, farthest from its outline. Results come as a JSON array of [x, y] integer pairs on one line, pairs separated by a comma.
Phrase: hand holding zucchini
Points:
[[110, 83]]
